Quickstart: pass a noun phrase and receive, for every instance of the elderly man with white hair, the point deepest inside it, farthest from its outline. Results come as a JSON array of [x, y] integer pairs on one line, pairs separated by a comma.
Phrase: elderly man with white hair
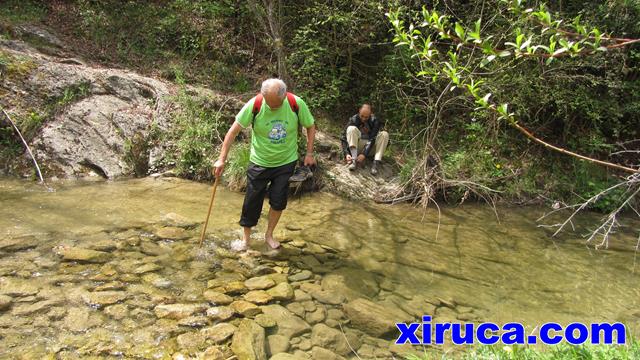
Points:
[[274, 115]]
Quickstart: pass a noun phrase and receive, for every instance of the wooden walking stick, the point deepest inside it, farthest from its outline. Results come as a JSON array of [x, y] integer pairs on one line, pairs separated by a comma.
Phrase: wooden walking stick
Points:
[[213, 195]]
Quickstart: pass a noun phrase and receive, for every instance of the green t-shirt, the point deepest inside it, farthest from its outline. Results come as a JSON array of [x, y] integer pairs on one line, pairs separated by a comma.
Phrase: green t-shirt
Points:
[[274, 137]]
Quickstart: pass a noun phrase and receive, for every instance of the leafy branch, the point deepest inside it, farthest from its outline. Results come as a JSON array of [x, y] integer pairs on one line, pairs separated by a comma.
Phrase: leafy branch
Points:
[[438, 43]]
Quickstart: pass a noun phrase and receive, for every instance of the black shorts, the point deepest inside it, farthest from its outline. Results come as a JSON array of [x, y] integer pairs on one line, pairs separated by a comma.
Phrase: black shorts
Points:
[[258, 178]]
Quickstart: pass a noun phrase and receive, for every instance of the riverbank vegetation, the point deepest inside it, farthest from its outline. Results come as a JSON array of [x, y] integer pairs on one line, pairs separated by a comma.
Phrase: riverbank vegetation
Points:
[[458, 84], [560, 352]]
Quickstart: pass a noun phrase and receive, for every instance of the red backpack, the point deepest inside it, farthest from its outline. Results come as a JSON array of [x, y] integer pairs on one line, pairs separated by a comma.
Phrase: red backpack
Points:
[[257, 104]]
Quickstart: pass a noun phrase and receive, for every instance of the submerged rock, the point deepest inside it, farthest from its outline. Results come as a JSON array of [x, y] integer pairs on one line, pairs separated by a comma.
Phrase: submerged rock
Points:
[[373, 318], [102, 298], [277, 344], [18, 243], [178, 311], [219, 333], [220, 313], [5, 302], [259, 283], [82, 255], [217, 298], [289, 325], [172, 233], [318, 353], [245, 308], [259, 297], [249, 341], [282, 291], [329, 338]]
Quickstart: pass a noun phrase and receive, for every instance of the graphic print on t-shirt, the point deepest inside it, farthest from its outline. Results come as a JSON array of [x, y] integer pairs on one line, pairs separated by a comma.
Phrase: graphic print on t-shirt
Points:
[[278, 132]]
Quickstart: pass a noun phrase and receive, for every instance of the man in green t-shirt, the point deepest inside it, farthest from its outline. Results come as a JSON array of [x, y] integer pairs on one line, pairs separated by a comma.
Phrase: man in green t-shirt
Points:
[[274, 153]]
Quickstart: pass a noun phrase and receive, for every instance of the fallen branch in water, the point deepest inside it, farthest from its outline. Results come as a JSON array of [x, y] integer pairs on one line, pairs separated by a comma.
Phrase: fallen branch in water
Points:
[[24, 142]]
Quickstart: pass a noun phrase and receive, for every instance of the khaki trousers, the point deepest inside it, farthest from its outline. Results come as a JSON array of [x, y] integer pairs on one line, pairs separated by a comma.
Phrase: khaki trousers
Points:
[[354, 138]]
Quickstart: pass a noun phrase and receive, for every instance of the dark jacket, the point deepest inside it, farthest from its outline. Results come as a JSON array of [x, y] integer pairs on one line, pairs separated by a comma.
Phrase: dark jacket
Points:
[[369, 130]]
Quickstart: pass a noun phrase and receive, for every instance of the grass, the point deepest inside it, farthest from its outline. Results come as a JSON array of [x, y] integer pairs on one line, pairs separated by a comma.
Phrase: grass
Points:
[[236, 167], [630, 351], [22, 11], [15, 67]]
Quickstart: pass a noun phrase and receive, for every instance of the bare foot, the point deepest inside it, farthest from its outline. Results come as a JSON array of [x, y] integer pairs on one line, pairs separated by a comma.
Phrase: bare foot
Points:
[[239, 245], [269, 239]]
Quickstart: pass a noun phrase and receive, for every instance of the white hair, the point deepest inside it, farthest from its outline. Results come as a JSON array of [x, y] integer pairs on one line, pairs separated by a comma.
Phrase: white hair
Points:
[[274, 84]]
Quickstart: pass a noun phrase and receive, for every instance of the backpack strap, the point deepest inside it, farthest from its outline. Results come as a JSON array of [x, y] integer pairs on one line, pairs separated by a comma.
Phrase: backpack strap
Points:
[[257, 104], [292, 102]]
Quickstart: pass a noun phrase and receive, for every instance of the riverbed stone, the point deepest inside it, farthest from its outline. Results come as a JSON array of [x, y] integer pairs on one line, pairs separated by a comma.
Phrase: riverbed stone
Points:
[[195, 321], [331, 297], [245, 308], [157, 280], [319, 353], [220, 313], [77, 319], [300, 276], [249, 341], [265, 321], [17, 288], [191, 342], [217, 297], [213, 353], [178, 311], [224, 278], [118, 311], [18, 243], [296, 308], [102, 298], [282, 291], [172, 233], [149, 267], [82, 255], [351, 283], [373, 318], [36, 308], [289, 325], [259, 297], [301, 295], [316, 316], [260, 283], [5, 302], [277, 344], [329, 338], [219, 333]]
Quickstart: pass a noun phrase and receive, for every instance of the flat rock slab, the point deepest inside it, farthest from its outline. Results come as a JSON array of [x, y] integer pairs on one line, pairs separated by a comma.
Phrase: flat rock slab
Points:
[[103, 298], [249, 341], [82, 255], [172, 233], [289, 325], [178, 311], [260, 283], [18, 244], [373, 318], [219, 333]]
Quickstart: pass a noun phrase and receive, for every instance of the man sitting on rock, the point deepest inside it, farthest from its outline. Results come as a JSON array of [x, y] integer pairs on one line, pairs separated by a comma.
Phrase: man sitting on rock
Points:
[[361, 135]]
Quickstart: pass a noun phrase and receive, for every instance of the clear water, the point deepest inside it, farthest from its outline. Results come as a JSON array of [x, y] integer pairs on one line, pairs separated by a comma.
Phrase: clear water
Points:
[[507, 269]]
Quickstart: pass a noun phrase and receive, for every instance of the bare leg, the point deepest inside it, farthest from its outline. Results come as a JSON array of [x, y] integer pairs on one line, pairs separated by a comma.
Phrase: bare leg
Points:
[[274, 217], [245, 237]]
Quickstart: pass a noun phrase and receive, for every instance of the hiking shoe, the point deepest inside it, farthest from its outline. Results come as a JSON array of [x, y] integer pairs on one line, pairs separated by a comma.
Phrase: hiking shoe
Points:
[[374, 168], [301, 174], [352, 166]]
